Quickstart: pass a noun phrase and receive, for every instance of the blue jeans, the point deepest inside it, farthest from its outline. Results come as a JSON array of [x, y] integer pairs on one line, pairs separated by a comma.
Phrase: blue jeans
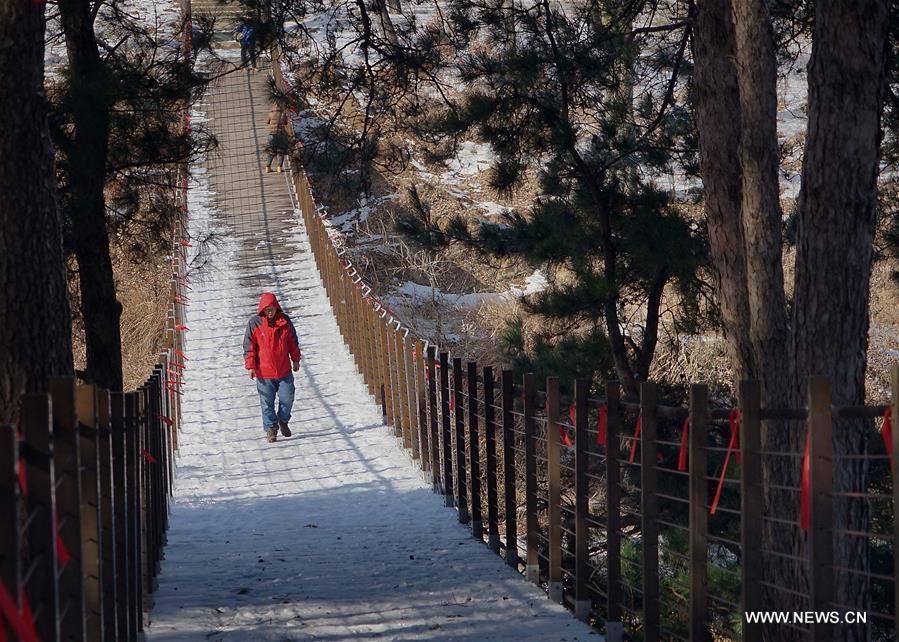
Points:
[[269, 388]]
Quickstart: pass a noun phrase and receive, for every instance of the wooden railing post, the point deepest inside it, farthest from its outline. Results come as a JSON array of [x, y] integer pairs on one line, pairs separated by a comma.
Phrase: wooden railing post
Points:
[[820, 535], [134, 482], [386, 390], [510, 502], [698, 550], [395, 393], [894, 405], [10, 498], [67, 461], [459, 416], [41, 579], [474, 451], [614, 626], [582, 600], [648, 507], [402, 389], [91, 542], [421, 392], [146, 503], [752, 504], [432, 418], [411, 397], [532, 571], [447, 475], [554, 479], [121, 501], [490, 456]]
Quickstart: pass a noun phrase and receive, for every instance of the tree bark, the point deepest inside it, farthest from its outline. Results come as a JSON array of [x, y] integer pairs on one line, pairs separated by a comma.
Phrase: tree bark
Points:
[[36, 328], [717, 108], [760, 208], [846, 78], [91, 90]]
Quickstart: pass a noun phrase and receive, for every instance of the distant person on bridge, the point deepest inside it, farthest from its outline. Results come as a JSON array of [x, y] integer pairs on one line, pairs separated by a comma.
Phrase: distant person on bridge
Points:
[[272, 354], [245, 35], [279, 134]]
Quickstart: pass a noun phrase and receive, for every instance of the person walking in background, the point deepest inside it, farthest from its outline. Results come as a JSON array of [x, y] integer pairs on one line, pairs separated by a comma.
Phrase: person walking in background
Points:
[[245, 35], [279, 135], [272, 354]]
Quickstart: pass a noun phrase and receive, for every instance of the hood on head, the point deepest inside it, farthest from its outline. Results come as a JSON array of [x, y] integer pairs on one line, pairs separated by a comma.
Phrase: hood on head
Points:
[[266, 300]]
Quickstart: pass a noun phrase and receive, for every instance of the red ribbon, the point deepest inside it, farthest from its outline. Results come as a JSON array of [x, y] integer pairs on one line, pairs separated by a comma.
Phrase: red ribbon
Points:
[[175, 364], [146, 455], [452, 403], [566, 440], [805, 493], [20, 464], [185, 243], [22, 623], [181, 328], [181, 354], [682, 454], [23, 478], [173, 389], [637, 429], [886, 431], [601, 423], [62, 552], [165, 420], [734, 444]]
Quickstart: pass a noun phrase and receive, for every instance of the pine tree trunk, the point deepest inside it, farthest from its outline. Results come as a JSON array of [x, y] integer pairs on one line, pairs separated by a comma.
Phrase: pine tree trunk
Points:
[[835, 241], [760, 209], [36, 327], [717, 108], [91, 102]]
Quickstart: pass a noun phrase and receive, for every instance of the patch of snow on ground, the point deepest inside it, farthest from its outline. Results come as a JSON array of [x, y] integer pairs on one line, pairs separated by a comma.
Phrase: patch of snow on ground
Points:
[[471, 159]]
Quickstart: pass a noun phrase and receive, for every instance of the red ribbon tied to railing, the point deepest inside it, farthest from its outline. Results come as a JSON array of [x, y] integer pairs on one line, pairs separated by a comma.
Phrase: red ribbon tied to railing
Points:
[[563, 434], [734, 444], [22, 623], [804, 504], [181, 328], [181, 354], [185, 242], [602, 424], [166, 420], [62, 552], [20, 464], [637, 429], [146, 455], [682, 453], [886, 431]]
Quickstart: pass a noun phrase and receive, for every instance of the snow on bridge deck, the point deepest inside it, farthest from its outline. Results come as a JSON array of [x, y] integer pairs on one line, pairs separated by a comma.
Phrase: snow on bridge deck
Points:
[[330, 534]]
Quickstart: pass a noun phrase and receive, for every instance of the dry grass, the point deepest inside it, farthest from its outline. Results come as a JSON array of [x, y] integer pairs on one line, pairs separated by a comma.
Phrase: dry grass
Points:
[[143, 291]]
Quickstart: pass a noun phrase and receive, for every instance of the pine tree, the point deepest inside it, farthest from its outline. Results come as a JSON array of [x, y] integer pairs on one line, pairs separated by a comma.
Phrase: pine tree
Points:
[[36, 328], [117, 130], [591, 107]]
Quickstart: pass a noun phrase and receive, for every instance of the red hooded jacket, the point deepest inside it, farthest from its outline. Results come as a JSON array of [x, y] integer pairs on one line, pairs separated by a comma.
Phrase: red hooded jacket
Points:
[[270, 346]]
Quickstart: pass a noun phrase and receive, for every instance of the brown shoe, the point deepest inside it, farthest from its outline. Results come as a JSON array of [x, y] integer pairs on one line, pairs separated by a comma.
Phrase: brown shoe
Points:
[[285, 430], [271, 435]]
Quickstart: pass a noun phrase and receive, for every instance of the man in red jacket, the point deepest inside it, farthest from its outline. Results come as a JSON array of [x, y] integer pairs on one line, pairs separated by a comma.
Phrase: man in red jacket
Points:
[[272, 354]]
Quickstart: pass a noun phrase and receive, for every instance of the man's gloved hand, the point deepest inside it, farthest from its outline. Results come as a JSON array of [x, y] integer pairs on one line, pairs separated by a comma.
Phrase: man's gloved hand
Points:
[[296, 366]]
